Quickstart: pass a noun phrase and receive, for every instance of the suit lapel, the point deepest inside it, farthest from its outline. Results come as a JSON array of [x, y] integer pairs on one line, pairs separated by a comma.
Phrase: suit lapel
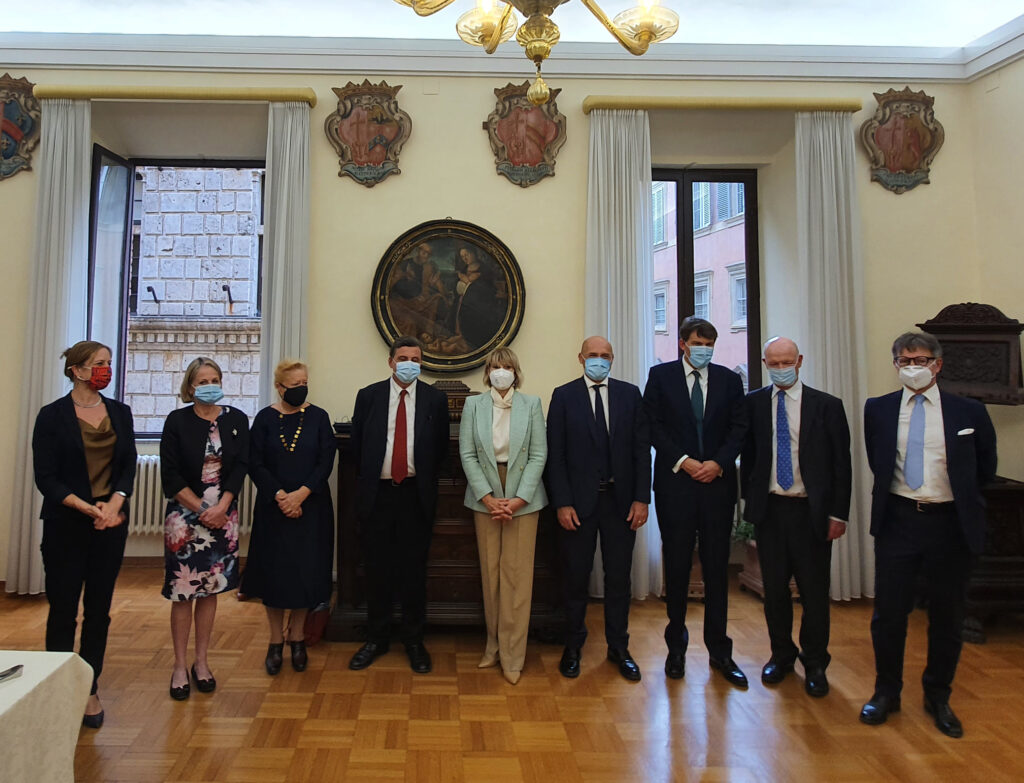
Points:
[[949, 425], [485, 423], [67, 412], [808, 410], [583, 396], [763, 422], [518, 425], [711, 399]]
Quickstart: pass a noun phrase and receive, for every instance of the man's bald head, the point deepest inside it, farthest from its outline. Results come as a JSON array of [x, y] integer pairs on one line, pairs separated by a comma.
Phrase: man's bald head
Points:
[[597, 346], [779, 348]]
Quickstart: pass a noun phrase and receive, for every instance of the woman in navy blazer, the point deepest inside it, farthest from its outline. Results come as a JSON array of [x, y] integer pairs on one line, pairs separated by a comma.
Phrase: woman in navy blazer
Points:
[[204, 456], [503, 445], [83, 452]]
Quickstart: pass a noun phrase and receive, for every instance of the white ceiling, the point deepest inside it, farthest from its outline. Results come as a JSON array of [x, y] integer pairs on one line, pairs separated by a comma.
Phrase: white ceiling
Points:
[[929, 23]]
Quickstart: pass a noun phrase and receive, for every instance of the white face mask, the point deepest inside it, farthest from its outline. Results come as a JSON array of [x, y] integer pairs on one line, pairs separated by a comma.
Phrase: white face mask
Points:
[[501, 378], [915, 377]]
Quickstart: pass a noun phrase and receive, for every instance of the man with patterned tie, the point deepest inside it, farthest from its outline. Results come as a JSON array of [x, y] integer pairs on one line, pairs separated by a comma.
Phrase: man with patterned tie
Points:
[[795, 480], [698, 420], [599, 477], [400, 435], [931, 453]]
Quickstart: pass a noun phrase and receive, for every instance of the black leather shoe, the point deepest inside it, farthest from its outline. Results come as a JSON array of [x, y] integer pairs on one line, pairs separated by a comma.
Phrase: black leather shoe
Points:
[[877, 710], [945, 720], [732, 673], [775, 671], [569, 666], [182, 693], [675, 666], [93, 721], [419, 658], [815, 682], [204, 686], [299, 657], [366, 655], [627, 666], [274, 661]]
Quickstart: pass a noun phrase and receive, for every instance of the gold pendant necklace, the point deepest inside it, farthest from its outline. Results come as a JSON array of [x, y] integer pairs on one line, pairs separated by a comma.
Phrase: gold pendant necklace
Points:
[[290, 447]]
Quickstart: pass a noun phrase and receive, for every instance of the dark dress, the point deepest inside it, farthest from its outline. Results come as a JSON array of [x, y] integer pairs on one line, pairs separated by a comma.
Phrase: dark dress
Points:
[[290, 560]]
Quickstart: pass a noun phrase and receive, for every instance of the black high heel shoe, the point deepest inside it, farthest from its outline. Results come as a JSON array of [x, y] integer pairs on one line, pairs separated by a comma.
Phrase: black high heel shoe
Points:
[[204, 686], [182, 692], [273, 661], [299, 658], [93, 721]]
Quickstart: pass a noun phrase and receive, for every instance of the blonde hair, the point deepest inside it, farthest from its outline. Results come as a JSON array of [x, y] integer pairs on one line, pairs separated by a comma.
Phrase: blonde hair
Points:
[[187, 393], [286, 366], [497, 358], [80, 353]]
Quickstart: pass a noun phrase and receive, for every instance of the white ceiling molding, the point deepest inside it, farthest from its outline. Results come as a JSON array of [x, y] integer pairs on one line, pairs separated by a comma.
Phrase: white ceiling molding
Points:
[[361, 56]]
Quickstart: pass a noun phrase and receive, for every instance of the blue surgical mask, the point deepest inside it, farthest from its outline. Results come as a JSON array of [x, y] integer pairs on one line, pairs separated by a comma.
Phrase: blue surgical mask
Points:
[[783, 377], [596, 368], [407, 372], [209, 393], [700, 356]]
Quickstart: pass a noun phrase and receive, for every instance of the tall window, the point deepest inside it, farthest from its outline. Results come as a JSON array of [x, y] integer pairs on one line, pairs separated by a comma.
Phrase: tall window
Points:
[[717, 227], [661, 307], [658, 213], [187, 278]]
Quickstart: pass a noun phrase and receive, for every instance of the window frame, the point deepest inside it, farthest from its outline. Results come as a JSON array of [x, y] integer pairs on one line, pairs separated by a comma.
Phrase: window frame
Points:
[[660, 289]]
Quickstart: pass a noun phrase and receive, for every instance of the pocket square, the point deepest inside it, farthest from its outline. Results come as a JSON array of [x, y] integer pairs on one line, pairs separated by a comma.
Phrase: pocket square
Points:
[[968, 431]]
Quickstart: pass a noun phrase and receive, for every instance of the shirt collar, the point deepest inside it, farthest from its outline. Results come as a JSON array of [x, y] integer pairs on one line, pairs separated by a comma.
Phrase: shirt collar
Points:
[[591, 383], [689, 368], [396, 389], [502, 402], [793, 392], [931, 394]]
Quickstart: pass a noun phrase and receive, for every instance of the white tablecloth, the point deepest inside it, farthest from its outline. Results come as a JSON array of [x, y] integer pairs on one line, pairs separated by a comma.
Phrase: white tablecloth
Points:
[[41, 714]]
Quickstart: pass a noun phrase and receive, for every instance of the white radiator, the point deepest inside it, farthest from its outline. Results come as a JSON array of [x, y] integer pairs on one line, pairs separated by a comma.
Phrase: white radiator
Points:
[[148, 503]]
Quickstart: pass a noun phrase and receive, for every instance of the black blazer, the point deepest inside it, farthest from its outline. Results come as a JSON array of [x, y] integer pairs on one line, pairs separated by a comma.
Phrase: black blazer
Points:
[[183, 449], [674, 428], [824, 453], [573, 471], [431, 435], [970, 458], [58, 455]]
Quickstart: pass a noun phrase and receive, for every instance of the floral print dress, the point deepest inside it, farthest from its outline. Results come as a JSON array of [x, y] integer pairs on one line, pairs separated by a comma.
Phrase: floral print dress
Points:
[[200, 561]]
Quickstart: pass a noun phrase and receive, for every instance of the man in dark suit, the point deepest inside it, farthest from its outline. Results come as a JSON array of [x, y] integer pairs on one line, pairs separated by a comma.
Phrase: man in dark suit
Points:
[[931, 453], [400, 437], [698, 420], [599, 474], [795, 478]]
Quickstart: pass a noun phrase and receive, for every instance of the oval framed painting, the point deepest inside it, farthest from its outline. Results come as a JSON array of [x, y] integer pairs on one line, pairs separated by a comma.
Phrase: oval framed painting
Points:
[[453, 285]]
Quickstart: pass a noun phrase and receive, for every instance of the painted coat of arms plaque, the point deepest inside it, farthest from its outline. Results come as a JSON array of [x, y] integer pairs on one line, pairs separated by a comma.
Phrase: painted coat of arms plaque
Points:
[[524, 138], [902, 139], [20, 115], [368, 131]]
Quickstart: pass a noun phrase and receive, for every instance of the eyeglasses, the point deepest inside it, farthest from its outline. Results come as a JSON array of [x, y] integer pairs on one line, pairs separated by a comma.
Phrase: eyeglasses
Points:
[[917, 361]]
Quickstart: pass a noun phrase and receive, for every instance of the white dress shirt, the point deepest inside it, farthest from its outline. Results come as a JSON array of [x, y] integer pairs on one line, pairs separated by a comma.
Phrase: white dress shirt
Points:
[[603, 391], [501, 421], [410, 426], [936, 488], [702, 375], [793, 396]]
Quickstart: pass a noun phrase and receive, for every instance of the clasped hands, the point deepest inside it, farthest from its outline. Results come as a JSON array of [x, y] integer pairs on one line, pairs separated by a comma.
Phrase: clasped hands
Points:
[[502, 509], [704, 472], [290, 503], [106, 513]]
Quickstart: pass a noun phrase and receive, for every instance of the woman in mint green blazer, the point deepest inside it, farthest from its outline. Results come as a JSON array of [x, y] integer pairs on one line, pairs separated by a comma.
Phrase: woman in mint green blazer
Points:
[[503, 445]]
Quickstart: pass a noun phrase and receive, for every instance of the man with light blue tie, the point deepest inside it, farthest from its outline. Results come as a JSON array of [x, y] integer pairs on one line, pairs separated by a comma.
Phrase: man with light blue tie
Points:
[[796, 479], [931, 453]]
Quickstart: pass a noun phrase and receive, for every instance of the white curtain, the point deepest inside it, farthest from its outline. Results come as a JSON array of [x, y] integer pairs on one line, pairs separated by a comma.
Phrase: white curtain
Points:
[[285, 241], [618, 282], [831, 286], [57, 315]]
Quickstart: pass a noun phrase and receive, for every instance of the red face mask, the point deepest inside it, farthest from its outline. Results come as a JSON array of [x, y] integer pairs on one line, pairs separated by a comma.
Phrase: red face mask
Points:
[[99, 378]]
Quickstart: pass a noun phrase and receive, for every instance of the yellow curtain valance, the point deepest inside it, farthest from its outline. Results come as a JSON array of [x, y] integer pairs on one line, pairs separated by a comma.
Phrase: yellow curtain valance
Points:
[[85, 92], [592, 102]]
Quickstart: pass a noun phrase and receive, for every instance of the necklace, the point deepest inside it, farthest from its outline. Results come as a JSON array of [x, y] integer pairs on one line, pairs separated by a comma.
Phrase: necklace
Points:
[[93, 405], [290, 447]]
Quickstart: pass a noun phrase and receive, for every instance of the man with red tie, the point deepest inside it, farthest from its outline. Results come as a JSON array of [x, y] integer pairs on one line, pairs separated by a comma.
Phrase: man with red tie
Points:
[[400, 436]]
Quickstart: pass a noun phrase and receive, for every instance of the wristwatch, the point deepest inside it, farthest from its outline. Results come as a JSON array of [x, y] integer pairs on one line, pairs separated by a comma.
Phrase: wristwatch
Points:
[[121, 493]]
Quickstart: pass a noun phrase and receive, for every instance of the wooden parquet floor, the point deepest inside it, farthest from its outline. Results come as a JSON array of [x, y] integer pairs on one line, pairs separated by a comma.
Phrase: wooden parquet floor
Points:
[[464, 724]]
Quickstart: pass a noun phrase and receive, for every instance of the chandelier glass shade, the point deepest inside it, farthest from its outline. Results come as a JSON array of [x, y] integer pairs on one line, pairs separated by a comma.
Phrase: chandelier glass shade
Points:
[[493, 22]]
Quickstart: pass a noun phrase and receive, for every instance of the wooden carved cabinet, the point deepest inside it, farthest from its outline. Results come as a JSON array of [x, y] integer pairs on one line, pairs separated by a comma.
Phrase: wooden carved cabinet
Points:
[[454, 593]]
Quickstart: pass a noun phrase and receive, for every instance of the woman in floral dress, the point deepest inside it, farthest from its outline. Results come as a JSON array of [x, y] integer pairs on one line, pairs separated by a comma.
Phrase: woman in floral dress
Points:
[[203, 460]]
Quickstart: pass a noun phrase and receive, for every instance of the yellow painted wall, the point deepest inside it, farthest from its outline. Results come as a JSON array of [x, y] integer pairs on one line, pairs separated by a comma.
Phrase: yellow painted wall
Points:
[[921, 249]]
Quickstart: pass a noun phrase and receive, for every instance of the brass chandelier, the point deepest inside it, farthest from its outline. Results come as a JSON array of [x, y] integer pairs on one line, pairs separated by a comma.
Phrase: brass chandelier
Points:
[[493, 22]]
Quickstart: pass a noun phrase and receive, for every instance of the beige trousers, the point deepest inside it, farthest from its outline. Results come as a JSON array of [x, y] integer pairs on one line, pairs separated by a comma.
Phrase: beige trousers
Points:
[[506, 570]]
